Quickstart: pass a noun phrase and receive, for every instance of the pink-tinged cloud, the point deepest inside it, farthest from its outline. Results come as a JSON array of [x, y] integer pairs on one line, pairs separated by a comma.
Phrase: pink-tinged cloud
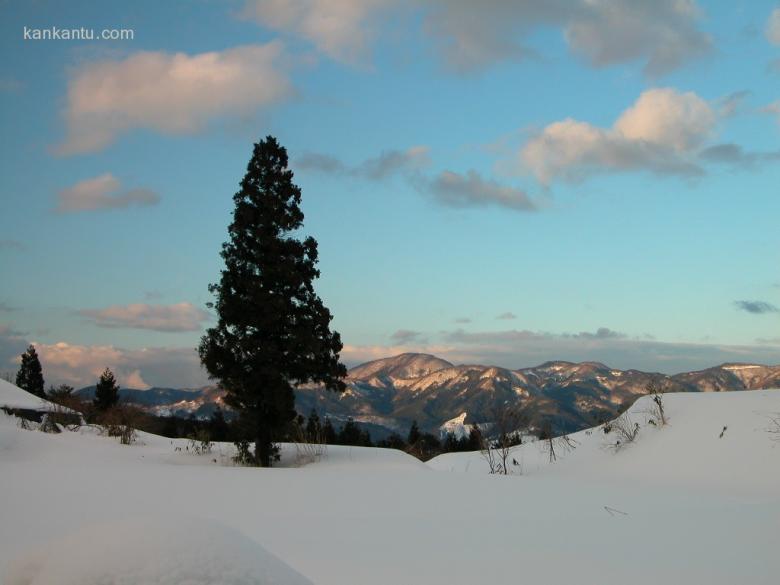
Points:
[[101, 193], [81, 365], [471, 36], [172, 93], [773, 27], [660, 133], [772, 109], [662, 34], [341, 29], [166, 318]]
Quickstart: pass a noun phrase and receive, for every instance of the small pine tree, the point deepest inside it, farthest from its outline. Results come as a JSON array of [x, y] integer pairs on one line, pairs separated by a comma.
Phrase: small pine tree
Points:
[[106, 391], [474, 441], [393, 441], [30, 374], [313, 427], [218, 426], [60, 393], [350, 433], [328, 432], [414, 434]]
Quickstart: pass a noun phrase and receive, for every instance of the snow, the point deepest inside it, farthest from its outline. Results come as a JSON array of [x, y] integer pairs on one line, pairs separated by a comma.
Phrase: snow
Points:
[[687, 452], [14, 397], [456, 426], [679, 505], [153, 551], [739, 367]]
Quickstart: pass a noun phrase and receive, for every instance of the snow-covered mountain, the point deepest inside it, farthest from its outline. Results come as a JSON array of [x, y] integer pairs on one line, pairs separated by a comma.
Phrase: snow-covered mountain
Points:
[[401, 367], [389, 393]]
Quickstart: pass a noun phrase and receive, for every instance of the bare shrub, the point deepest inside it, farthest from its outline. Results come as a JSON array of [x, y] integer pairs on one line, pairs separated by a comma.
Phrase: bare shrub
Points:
[[120, 421], [200, 442], [487, 451], [48, 425], [506, 429], [554, 445], [64, 416], [656, 410], [244, 455], [626, 430], [774, 427], [310, 444]]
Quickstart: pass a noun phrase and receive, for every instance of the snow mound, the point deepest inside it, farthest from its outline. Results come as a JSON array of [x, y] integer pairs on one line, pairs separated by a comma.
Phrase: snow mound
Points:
[[14, 397], [716, 441], [181, 551]]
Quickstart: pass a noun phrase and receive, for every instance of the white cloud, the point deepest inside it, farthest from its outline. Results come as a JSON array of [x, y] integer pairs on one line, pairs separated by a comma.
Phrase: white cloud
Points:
[[81, 365], [386, 164], [662, 33], [167, 318], [680, 121], [732, 104], [341, 29], [659, 133], [405, 336], [392, 161], [471, 190], [520, 348], [77, 363], [472, 35], [448, 188], [773, 27], [173, 93], [102, 192], [135, 380]]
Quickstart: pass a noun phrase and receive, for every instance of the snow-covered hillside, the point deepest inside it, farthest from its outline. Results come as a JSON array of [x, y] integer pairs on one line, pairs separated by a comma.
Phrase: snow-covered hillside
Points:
[[679, 505], [14, 397], [688, 452]]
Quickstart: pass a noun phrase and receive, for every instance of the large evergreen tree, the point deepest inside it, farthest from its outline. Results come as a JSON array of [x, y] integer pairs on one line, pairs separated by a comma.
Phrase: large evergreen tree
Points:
[[106, 391], [30, 374], [273, 331]]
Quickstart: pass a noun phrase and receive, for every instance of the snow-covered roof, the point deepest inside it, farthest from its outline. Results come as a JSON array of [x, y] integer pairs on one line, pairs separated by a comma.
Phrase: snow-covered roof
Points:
[[14, 397]]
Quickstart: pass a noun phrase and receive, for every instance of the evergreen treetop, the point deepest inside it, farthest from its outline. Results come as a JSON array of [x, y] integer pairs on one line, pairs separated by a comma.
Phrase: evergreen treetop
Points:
[[106, 391], [414, 434], [30, 374]]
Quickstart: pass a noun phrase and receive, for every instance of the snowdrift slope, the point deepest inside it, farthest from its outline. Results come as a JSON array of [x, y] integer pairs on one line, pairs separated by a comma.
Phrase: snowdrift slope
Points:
[[14, 397], [688, 452], [680, 505], [150, 551]]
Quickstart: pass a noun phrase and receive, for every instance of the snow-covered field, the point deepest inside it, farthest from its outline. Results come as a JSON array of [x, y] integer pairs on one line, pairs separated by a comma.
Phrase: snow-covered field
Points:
[[680, 505]]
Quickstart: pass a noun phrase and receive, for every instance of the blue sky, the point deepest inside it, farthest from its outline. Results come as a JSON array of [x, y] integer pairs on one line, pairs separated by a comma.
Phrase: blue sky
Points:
[[505, 183]]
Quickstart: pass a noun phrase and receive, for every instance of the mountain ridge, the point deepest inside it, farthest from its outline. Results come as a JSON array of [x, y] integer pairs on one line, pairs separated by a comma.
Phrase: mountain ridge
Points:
[[387, 394]]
